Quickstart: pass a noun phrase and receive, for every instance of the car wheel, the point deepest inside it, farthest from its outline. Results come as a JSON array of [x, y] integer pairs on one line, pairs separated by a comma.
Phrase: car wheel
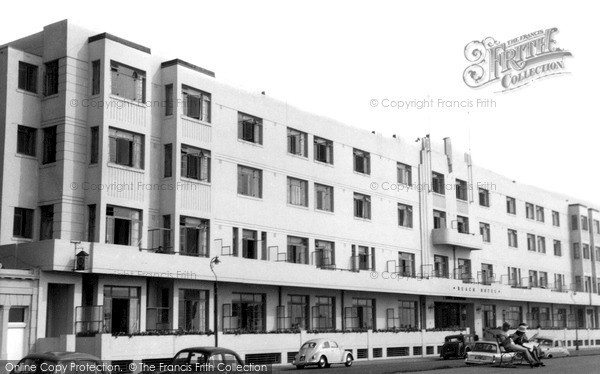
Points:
[[322, 362], [349, 360], [549, 356], [299, 367]]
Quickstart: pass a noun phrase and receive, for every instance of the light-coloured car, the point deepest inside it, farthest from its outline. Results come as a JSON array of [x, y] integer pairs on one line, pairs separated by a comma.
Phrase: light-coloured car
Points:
[[552, 347], [487, 353], [322, 353]]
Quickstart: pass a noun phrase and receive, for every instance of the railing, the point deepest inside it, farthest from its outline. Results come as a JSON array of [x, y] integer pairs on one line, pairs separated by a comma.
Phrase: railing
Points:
[[88, 319], [158, 318]]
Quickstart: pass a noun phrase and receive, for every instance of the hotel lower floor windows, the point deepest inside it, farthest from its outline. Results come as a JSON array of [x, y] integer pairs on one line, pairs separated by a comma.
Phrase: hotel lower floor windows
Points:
[[488, 313], [193, 236], [323, 313], [298, 311], [513, 315], [407, 316], [452, 315], [123, 225], [246, 312], [121, 309], [193, 305], [361, 316]]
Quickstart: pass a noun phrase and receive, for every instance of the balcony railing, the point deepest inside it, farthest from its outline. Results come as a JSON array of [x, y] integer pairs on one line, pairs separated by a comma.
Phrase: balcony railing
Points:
[[88, 320]]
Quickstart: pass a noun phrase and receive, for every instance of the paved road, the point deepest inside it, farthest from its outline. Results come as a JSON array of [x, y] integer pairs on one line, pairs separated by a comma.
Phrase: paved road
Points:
[[581, 365]]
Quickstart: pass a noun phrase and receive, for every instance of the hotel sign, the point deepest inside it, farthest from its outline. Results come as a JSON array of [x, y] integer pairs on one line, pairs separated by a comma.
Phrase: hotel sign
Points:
[[473, 290], [515, 63]]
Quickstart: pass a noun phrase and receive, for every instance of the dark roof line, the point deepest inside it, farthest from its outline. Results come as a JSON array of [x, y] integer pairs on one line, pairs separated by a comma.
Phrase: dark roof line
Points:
[[108, 36], [187, 65]]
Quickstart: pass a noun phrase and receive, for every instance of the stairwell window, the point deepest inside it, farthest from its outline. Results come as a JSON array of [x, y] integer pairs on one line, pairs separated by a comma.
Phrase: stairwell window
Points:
[[195, 163], [49, 145], [405, 215], [323, 197], [437, 182], [196, 104], [362, 206], [168, 160], [23, 223], [250, 128], [586, 251], [128, 82], [249, 181], [584, 223], [51, 78], [123, 225], [297, 142], [126, 148], [323, 150], [576, 251], [404, 173], [484, 197], [362, 161], [94, 145], [297, 191], [96, 77], [26, 140], [46, 222], [28, 75]]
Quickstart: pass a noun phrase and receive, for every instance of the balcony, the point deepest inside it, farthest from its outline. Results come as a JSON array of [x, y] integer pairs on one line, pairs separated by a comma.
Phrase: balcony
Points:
[[452, 237]]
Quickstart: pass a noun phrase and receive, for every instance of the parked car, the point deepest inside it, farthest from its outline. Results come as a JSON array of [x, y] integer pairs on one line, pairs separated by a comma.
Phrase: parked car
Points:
[[457, 345], [199, 359], [487, 352], [322, 353], [59, 363], [551, 347]]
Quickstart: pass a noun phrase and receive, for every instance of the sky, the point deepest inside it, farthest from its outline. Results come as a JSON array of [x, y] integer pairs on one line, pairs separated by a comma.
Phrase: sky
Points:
[[338, 58]]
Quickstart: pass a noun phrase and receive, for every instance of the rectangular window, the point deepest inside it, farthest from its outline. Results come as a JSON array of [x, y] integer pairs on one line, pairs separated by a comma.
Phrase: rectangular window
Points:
[[121, 309], [557, 248], [406, 264], [297, 142], [533, 278], [598, 257], [195, 163], [514, 276], [16, 314], [405, 215], [297, 191], [323, 150], [439, 219], [28, 75], [539, 213], [298, 311], [597, 226], [407, 314], [249, 181], [323, 313], [541, 244], [543, 280], [585, 248], [325, 254], [437, 181], [487, 274], [462, 224], [193, 307], [404, 173], [123, 226], [126, 148], [249, 244], [362, 206], [512, 238], [167, 240], [440, 266], [297, 250], [26, 140], [530, 242], [169, 100], [23, 223], [49, 145], [529, 211], [96, 77], [584, 223], [461, 190], [511, 205], [484, 230], [323, 197], [362, 314], [51, 78], [128, 82], [250, 128], [555, 218], [248, 312], [576, 252], [574, 222], [94, 145], [47, 222], [193, 236], [196, 104], [559, 281], [484, 197], [91, 223], [363, 258], [168, 161], [464, 270], [362, 161]]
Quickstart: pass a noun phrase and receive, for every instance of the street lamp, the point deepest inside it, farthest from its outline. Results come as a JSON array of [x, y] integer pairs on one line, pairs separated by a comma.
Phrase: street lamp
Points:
[[215, 261]]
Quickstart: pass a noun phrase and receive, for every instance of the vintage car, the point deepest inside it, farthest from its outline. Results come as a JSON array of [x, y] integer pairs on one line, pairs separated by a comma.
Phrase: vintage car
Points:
[[457, 345], [199, 359], [551, 347], [322, 353], [59, 363], [487, 352]]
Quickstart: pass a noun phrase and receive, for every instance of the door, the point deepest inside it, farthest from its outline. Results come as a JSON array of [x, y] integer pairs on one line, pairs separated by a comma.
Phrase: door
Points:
[[336, 352], [120, 316]]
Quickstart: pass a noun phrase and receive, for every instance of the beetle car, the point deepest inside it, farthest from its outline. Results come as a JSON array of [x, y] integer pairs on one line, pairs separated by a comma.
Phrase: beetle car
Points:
[[322, 353], [457, 345], [551, 347], [487, 352], [59, 363]]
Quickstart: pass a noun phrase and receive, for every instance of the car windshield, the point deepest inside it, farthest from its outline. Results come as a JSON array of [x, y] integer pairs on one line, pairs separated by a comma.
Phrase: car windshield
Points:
[[308, 345], [485, 347], [454, 339]]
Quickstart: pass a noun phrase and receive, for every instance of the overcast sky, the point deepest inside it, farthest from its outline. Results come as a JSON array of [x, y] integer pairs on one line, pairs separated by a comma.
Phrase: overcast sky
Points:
[[333, 57]]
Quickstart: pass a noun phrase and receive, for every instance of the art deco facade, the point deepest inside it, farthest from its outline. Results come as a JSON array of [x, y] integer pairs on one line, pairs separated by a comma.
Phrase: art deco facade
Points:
[[123, 175]]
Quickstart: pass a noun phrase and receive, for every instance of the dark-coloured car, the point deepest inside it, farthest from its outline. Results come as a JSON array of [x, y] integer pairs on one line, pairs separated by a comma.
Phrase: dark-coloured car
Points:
[[201, 359], [457, 346], [59, 363]]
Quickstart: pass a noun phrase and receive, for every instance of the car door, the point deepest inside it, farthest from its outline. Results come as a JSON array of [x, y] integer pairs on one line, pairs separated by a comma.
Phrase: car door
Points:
[[336, 352]]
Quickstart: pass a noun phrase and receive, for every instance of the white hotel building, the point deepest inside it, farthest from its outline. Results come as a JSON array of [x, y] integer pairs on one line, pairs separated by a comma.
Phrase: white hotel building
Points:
[[122, 175]]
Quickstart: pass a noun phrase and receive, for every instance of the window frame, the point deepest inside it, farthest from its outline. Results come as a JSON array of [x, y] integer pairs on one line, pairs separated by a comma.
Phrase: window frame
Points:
[[254, 182], [360, 157], [438, 183], [204, 103], [51, 77], [362, 206], [26, 138], [28, 77], [49, 144], [328, 192], [250, 128]]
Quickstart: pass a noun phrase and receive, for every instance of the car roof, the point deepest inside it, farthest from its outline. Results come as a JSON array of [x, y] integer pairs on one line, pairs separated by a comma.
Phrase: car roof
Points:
[[59, 356], [209, 350], [487, 342], [318, 340]]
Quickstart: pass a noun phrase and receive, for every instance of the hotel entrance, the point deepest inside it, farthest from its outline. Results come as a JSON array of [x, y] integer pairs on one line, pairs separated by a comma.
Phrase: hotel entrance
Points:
[[449, 315]]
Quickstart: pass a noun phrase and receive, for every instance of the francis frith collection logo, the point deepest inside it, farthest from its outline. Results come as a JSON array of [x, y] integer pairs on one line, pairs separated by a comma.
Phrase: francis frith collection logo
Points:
[[514, 63]]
